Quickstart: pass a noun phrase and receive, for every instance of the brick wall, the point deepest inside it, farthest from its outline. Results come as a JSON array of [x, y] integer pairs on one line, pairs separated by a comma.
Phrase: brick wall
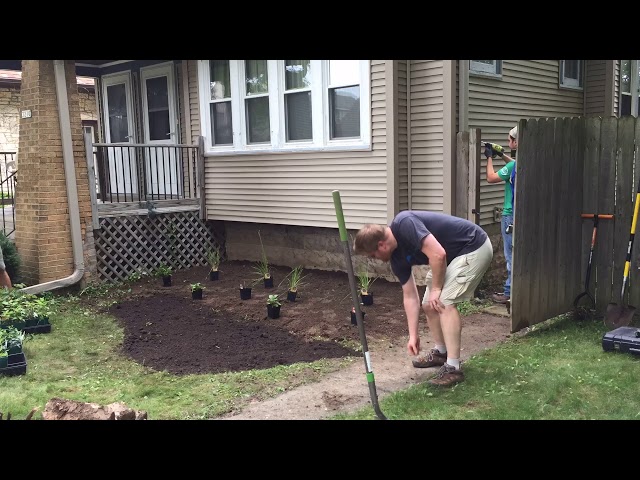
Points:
[[43, 234], [10, 113]]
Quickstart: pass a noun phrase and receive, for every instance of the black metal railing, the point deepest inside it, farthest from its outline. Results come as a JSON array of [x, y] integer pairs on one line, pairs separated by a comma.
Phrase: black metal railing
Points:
[[141, 172], [7, 191]]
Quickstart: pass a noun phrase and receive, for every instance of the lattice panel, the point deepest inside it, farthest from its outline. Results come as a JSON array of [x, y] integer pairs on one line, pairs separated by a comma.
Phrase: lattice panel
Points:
[[139, 243]]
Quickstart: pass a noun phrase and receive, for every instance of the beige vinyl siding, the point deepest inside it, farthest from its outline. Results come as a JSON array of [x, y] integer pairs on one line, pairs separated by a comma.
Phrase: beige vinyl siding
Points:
[[527, 89], [426, 132], [296, 188], [595, 87], [194, 102], [402, 135]]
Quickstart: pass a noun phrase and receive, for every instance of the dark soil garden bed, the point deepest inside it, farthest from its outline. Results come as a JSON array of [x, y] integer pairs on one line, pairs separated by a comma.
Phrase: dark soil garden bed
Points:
[[166, 329]]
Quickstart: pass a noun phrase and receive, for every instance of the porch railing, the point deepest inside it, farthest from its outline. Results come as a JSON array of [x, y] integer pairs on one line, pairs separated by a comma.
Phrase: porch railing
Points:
[[143, 172], [7, 191]]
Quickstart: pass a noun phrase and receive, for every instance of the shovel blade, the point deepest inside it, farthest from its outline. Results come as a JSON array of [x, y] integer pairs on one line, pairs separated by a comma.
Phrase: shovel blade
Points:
[[618, 315]]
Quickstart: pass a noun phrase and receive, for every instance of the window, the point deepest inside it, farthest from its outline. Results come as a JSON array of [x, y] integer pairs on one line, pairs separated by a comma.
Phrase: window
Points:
[[571, 74], [284, 105], [486, 67]]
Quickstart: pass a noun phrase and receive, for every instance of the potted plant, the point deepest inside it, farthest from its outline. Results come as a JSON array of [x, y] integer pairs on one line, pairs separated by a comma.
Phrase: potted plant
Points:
[[165, 272], [214, 258], [196, 291], [263, 267], [245, 291], [364, 284], [294, 281], [13, 338], [273, 306], [354, 318]]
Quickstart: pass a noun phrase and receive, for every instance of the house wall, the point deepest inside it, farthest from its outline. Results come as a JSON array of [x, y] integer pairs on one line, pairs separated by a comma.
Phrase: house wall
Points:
[[616, 89], [426, 149], [527, 89], [595, 80], [10, 113], [288, 196]]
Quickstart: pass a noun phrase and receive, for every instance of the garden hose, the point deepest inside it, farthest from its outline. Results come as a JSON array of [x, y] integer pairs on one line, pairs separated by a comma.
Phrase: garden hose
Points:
[[356, 304]]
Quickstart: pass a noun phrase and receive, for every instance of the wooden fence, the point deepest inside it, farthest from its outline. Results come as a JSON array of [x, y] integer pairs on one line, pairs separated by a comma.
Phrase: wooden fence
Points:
[[567, 167]]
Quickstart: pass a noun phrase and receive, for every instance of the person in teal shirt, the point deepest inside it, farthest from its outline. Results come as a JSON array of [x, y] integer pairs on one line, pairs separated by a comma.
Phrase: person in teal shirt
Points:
[[507, 175]]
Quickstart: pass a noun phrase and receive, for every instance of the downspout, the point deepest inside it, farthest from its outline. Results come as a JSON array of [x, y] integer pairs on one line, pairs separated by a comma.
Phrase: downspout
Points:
[[409, 179], [72, 188]]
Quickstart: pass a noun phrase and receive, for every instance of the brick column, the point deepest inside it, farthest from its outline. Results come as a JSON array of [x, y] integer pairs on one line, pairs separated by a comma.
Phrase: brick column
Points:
[[43, 233]]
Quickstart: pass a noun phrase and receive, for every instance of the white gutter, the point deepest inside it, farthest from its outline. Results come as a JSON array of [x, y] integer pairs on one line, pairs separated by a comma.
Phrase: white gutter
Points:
[[72, 188]]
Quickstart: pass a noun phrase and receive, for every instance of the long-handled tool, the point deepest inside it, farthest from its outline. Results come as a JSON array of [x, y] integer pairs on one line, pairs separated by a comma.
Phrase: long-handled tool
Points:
[[356, 304], [619, 315], [586, 292]]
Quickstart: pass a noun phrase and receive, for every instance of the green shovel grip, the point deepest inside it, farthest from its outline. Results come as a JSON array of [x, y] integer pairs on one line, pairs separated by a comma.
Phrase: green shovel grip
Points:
[[340, 215]]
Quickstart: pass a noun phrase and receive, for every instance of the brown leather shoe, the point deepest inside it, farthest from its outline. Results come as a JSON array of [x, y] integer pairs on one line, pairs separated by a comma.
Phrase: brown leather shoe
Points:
[[500, 298], [447, 376], [432, 359]]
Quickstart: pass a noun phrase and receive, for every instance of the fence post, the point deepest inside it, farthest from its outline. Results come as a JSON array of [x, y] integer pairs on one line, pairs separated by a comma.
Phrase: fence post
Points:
[[88, 147], [462, 174], [473, 208]]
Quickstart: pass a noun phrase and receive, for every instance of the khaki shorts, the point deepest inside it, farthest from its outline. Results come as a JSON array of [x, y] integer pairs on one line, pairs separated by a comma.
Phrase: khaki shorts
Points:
[[463, 275]]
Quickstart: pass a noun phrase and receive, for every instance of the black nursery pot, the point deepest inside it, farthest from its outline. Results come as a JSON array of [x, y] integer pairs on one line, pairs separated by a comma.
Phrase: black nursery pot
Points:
[[273, 312], [291, 296], [268, 282], [245, 293], [354, 319], [196, 294], [367, 299], [213, 275], [166, 280]]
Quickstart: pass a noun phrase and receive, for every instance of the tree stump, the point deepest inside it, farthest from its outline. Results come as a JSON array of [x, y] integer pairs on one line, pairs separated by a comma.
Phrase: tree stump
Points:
[[62, 409]]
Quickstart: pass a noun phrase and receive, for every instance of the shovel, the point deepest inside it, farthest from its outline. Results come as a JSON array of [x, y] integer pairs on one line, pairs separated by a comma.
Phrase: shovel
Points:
[[619, 315]]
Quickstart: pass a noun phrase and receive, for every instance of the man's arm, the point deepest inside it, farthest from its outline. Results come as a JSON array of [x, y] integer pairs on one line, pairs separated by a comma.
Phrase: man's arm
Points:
[[492, 176], [411, 301], [438, 261]]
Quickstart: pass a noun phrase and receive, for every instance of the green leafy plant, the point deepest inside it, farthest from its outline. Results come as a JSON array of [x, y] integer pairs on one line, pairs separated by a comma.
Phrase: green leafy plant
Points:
[[214, 258], [11, 258], [196, 287], [294, 279], [163, 270], [274, 300], [365, 281], [262, 266]]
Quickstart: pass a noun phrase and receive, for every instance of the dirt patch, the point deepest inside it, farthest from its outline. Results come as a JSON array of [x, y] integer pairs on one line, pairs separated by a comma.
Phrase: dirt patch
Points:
[[166, 330]]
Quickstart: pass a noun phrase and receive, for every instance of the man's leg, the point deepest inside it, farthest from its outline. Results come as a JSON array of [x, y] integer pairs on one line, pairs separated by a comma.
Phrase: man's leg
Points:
[[464, 275], [507, 248], [436, 356]]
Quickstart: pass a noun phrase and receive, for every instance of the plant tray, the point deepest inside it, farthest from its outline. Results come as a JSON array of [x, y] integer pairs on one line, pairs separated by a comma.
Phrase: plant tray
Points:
[[38, 329], [17, 365]]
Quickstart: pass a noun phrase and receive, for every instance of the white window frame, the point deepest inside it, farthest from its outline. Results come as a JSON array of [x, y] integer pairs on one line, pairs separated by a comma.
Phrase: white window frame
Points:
[[319, 109], [571, 83], [489, 70]]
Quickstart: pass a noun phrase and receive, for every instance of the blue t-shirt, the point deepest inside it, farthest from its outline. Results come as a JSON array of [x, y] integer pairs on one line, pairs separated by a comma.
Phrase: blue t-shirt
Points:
[[456, 235]]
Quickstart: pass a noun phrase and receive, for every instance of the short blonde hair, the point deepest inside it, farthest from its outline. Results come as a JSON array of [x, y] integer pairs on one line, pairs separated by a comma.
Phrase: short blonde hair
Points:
[[367, 238]]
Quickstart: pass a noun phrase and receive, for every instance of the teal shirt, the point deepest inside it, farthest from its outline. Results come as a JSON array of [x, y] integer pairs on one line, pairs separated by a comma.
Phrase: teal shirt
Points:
[[505, 174]]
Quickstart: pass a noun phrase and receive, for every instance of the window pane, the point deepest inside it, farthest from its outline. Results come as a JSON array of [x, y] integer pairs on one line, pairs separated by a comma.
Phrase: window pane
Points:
[[118, 119], [298, 116], [571, 69], [625, 75], [256, 76], [158, 108], [258, 120], [221, 128], [297, 74], [344, 105], [625, 105], [220, 83], [344, 72]]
